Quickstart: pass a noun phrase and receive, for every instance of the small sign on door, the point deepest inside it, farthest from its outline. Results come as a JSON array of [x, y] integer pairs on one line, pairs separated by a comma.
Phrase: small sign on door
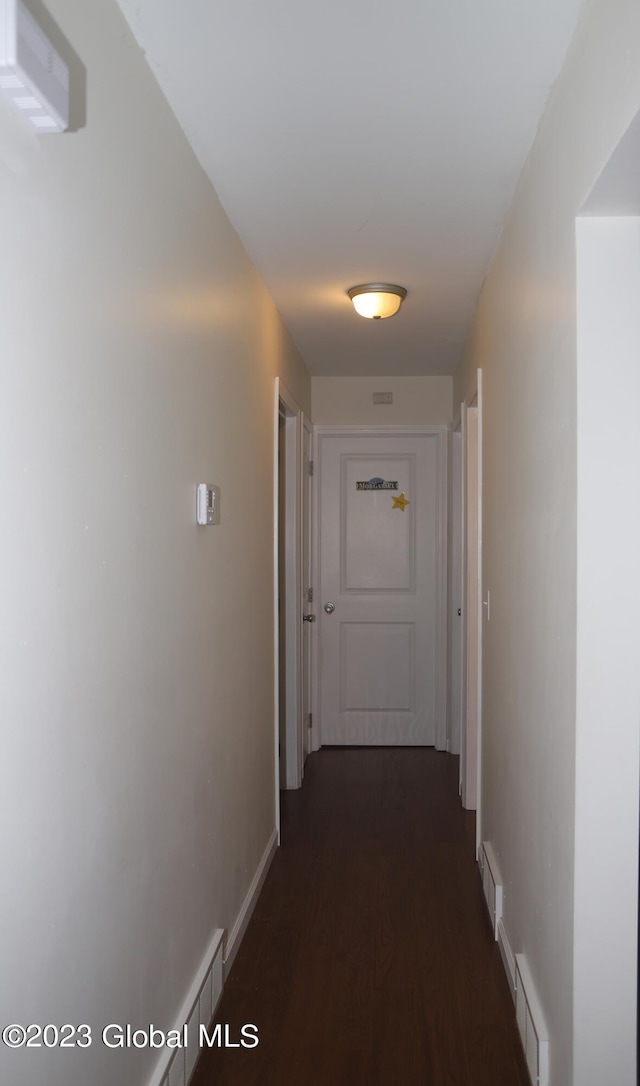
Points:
[[377, 484]]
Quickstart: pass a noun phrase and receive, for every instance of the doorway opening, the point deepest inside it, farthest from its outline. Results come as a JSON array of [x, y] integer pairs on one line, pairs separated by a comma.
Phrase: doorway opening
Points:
[[382, 585]]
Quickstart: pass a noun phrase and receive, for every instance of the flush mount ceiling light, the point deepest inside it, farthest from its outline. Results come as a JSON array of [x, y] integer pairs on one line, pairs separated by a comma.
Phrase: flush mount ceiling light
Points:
[[377, 300]]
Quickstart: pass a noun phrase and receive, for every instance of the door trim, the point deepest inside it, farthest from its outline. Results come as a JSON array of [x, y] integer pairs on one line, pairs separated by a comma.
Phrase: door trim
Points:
[[293, 593], [310, 606], [442, 434], [472, 565], [455, 597]]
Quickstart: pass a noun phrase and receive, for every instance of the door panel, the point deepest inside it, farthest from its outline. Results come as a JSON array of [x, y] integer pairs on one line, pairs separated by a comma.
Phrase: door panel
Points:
[[377, 550], [382, 562], [378, 666]]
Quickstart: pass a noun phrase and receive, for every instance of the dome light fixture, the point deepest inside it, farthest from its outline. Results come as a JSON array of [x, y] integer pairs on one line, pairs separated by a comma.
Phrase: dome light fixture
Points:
[[377, 300]]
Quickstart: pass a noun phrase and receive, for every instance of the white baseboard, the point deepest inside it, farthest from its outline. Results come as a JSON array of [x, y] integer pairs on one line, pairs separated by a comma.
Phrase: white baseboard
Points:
[[508, 957], [249, 903], [199, 1004]]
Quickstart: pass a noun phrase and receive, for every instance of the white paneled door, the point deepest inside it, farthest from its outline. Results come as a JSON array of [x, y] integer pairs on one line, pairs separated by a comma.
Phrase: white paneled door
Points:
[[382, 592]]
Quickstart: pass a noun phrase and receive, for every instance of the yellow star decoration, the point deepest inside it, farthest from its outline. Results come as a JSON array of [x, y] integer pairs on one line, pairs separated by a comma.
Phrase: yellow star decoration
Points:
[[401, 502]]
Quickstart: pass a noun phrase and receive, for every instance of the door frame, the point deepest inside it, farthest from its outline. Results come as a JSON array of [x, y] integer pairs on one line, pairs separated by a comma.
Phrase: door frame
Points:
[[309, 605], [292, 756], [456, 594], [442, 432], [471, 786]]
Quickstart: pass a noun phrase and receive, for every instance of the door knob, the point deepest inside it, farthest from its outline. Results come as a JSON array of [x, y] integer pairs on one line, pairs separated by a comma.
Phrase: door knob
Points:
[[308, 618], [329, 608]]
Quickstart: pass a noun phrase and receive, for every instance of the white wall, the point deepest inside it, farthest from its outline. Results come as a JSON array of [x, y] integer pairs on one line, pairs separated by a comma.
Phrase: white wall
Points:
[[347, 401], [138, 353], [524, 338]]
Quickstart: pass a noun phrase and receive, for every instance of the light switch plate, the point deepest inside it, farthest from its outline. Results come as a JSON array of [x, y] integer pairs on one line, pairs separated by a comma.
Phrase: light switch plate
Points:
[[33, 76]]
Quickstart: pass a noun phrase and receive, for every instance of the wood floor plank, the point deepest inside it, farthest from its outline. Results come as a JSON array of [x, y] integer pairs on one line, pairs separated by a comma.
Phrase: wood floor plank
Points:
[[369, 959]]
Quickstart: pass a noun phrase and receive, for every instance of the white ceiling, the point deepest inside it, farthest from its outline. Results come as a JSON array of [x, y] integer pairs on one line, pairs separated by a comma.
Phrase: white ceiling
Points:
[[355, 140]]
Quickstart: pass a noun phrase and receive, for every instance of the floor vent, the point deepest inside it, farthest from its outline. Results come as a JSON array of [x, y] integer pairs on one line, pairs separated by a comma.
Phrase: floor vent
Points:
[[491, 884], [198, 1010], [531, 1024]]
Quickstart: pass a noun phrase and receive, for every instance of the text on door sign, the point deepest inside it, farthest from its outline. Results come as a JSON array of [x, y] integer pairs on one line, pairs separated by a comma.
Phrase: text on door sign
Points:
[[377, 484]]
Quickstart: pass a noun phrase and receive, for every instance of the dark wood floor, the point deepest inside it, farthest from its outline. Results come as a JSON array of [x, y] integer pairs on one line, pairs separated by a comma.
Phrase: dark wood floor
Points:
[[369, 959]]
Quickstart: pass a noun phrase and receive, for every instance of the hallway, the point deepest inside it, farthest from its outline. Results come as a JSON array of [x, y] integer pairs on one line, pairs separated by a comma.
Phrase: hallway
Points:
[[369, 958]]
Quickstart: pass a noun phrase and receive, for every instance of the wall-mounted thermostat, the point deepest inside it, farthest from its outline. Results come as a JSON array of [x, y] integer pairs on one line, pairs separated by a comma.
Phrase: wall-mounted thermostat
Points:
[[207, 504], [32, 74]]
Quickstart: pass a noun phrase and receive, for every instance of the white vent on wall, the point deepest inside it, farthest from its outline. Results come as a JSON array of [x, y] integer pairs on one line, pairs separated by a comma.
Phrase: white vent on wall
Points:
[[531, 1024], [32, 75], [491, 884]]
